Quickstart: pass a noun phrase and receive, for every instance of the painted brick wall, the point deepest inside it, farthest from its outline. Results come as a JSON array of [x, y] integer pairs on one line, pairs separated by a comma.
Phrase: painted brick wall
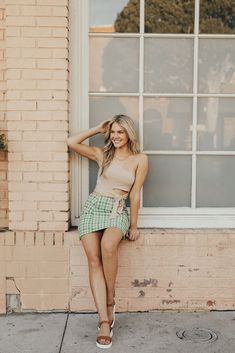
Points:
[[169, 269], [34, 265], [37, 114], [3, 123], [164, 270]]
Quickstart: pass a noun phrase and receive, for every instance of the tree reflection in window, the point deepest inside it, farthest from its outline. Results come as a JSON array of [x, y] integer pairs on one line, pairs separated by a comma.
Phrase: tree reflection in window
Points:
[[177, 16], [161, 16], [217, 16]]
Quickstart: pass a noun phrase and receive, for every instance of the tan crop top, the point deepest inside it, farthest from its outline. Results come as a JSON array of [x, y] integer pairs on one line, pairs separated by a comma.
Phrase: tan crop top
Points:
[[115, 177]]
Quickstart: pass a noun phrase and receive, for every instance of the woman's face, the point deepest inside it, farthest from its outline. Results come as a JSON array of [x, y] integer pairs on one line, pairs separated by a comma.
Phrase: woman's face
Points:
[[118, 135]]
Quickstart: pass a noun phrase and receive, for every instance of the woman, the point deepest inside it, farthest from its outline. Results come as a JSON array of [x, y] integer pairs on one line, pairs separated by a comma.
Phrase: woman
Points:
[[104, 221]]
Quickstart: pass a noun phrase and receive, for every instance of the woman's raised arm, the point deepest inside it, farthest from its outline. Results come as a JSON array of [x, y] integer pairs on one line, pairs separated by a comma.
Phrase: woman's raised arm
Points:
[[91, 152]]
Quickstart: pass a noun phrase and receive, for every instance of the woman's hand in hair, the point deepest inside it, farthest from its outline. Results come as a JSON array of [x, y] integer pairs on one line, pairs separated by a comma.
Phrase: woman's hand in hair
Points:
[[103, 126]]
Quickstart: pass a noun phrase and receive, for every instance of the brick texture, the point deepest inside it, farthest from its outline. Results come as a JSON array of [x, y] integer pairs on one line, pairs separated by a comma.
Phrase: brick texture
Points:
[[166, 270], [36, 266], [185, 269], [3, 123], [36, 44]]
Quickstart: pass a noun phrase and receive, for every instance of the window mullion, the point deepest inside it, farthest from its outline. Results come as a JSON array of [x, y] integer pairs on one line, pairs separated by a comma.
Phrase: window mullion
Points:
[[141, 83], [195, 91]]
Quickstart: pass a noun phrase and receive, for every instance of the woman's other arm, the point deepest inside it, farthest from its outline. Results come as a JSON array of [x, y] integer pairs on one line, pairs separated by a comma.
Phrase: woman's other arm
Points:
[[141, 173]]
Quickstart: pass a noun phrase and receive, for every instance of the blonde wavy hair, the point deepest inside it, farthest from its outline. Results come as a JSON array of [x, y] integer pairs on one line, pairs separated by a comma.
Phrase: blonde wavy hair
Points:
[[128, 125]]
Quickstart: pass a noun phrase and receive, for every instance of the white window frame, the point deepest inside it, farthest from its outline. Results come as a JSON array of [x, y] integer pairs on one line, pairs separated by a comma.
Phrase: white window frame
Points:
[[160, 217]]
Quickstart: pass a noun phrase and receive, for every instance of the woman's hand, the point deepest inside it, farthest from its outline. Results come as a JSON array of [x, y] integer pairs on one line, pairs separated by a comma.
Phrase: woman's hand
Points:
[[133, 234], [103, 126]]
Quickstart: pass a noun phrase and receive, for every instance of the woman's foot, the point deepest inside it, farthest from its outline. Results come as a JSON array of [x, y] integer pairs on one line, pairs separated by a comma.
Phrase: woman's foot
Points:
[[104, 339]]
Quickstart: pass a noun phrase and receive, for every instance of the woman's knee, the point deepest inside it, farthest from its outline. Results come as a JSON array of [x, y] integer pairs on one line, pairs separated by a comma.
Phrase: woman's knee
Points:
[[109, 248], [94, 261]]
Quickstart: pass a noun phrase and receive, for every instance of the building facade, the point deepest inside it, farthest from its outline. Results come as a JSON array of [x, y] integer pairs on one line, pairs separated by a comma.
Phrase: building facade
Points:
[[65, 66]]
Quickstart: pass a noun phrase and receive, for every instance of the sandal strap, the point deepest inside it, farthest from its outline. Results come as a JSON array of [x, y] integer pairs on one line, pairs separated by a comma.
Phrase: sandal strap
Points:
[[104, 321], [112, 304]]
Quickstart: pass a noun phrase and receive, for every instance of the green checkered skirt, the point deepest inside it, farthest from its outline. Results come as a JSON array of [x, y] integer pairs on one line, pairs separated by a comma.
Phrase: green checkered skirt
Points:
[[96, 215]]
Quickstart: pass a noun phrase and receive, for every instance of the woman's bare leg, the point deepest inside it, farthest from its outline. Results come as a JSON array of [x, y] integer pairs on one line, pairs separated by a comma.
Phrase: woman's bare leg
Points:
[[92, 247], [109, 248]]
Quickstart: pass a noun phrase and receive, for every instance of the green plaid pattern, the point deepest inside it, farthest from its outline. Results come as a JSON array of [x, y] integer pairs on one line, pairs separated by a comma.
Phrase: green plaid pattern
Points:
[[96, 212]]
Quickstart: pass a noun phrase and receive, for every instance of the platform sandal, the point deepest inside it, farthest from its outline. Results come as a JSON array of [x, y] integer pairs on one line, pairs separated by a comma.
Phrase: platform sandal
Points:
[[106, 338]]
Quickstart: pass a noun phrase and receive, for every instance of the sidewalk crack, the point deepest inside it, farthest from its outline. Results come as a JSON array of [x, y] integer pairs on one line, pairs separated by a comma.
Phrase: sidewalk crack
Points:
[[65, 327]]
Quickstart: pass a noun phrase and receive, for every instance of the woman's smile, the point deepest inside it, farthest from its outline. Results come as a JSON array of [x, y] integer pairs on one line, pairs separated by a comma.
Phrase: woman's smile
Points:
[[118, 135]]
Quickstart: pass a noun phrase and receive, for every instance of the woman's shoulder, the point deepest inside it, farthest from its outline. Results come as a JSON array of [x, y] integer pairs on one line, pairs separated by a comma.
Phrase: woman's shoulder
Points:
[[141, 157]]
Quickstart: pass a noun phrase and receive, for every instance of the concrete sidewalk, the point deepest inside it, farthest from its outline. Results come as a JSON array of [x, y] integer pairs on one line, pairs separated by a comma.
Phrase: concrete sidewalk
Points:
[[152, 332]]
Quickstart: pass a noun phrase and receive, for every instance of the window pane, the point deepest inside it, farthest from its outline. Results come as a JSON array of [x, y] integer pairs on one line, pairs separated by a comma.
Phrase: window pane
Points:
[[216, 124], [167, 123], [93, 170], [169, 16], [215, 181], [114, 16], [216, 66], [168, 183], [102, 108], [114, 64], [168, 65], [217, 16]]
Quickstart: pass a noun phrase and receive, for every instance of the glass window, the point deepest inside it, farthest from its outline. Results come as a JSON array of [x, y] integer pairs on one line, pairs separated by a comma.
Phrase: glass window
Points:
[[217, 17], [168, 183], [216, 124], [93, 171], [168, 65], [114, 64], [215, 181], [167, 123], [150, 62], [169, 16], [216, 65], [114, 16]]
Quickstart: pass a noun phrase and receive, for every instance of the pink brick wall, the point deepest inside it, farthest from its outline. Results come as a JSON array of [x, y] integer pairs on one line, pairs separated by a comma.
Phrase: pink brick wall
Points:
[[37, 114], [35, 266], [182, 269], [3, 123], [164, 270]]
